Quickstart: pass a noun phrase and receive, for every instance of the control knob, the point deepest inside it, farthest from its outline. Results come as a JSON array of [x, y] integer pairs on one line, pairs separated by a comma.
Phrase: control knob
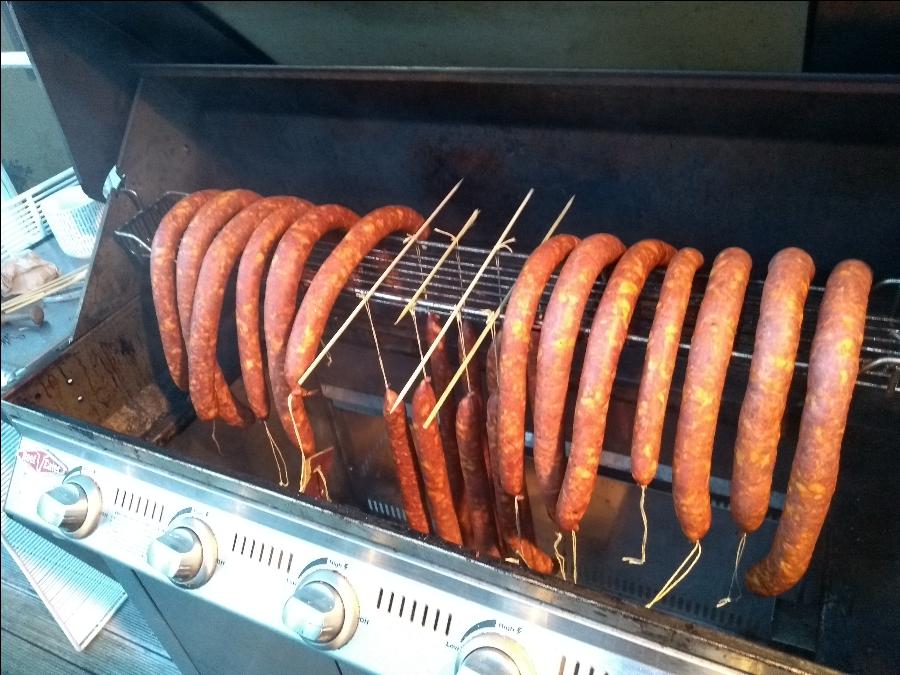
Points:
[[323, 611], [73, 507], [490, 653], [186, 554]]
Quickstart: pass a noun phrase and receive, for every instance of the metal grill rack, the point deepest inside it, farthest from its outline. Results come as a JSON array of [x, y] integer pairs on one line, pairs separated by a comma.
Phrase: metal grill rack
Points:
[[879, 359]]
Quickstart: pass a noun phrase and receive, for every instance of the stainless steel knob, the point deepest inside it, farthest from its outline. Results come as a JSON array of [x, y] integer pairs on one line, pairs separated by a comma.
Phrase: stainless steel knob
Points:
[[178, 554], [186, 554], [315, 612], [488, 661], [64, 507], [488, 652], [73, 507], [323, 611]]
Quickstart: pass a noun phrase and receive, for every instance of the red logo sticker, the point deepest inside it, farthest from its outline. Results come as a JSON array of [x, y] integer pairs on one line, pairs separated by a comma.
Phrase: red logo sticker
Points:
[[42, 461]]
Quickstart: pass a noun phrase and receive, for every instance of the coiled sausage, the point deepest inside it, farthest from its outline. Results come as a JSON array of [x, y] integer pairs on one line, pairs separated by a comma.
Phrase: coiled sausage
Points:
[[309, 323], [833, 366], [659, 363], [282, 289], [515, 344], [707, 366], [774, 351], [559, 333], [248, 300], [607, 338], [217, 265], [163, 252]]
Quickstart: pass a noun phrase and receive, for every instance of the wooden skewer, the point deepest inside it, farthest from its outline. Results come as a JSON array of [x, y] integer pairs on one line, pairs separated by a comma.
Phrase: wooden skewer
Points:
[[491, 319], [37, 294], [384, 275], [434, 270], [501, 242]]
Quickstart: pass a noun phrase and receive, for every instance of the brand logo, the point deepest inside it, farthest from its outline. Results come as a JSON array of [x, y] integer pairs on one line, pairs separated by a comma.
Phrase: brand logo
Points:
[[42, 461]]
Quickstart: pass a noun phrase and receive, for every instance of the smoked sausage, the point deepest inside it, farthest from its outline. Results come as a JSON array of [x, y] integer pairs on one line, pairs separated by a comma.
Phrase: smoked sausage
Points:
[[707, 366], [248, 300], [659, 363], [433, 466], [609, 330], [309, 323], [515, 344], [559, 332], [774, 351], [215, 270], [405, 464], [163, 252], [470, 438], [282, 288], [833, 366]]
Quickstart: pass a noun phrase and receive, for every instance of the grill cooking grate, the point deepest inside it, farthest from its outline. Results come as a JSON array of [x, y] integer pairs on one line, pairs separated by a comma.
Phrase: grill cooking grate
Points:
[[880, 356]]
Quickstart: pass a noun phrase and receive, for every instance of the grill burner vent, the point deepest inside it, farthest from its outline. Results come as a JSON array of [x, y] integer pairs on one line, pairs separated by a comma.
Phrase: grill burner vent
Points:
[[259, 552], [139, 506], [403, 607], [387, 510]]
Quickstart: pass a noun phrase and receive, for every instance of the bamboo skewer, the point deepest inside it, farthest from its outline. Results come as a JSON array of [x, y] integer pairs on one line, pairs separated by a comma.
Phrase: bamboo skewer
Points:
[[365, 298], [501, 242], [434, 270], [37, 294], [491, 319]]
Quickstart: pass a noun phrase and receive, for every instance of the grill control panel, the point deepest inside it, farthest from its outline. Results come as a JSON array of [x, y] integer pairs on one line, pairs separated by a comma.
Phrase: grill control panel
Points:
[[348, 597]]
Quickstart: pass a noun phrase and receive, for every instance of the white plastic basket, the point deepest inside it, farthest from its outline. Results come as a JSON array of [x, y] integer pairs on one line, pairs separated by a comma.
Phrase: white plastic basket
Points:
[[74, 218], [23, 225]]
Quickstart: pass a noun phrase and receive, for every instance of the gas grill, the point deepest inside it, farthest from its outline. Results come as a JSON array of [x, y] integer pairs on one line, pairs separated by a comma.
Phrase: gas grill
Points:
[[705, 161]]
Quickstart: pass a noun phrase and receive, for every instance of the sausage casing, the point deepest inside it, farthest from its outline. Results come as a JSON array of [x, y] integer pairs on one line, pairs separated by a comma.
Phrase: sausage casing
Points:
[[312, 316], [833, 366], [470, 438], [659, 363], [163, 252], [707, 366], [282, 288], [433, 466], [559, 333], [605, 342], [215, 270], [405, 463], [248, 300], [515, 344], [774, 352]]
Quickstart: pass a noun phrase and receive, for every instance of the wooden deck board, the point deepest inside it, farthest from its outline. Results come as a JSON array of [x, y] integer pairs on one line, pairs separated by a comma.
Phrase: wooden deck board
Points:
[[33, 643]]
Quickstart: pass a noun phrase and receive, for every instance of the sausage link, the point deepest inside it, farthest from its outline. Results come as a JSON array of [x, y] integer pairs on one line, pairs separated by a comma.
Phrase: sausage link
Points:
[[704, 380], [309, 323], [433, 466], [774, 353], [215, 270], [533, 557], [200, 232], [470, 437], [515, 344], [247, 301], [559, 333], [405, 464], [607, 338], [833, 366], [659, 363], [441, 372], [282, 289], [162, 281], [505, 507]]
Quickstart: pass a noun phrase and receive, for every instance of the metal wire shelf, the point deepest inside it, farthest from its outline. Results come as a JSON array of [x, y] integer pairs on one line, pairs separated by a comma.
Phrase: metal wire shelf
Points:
[[879, 358]]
